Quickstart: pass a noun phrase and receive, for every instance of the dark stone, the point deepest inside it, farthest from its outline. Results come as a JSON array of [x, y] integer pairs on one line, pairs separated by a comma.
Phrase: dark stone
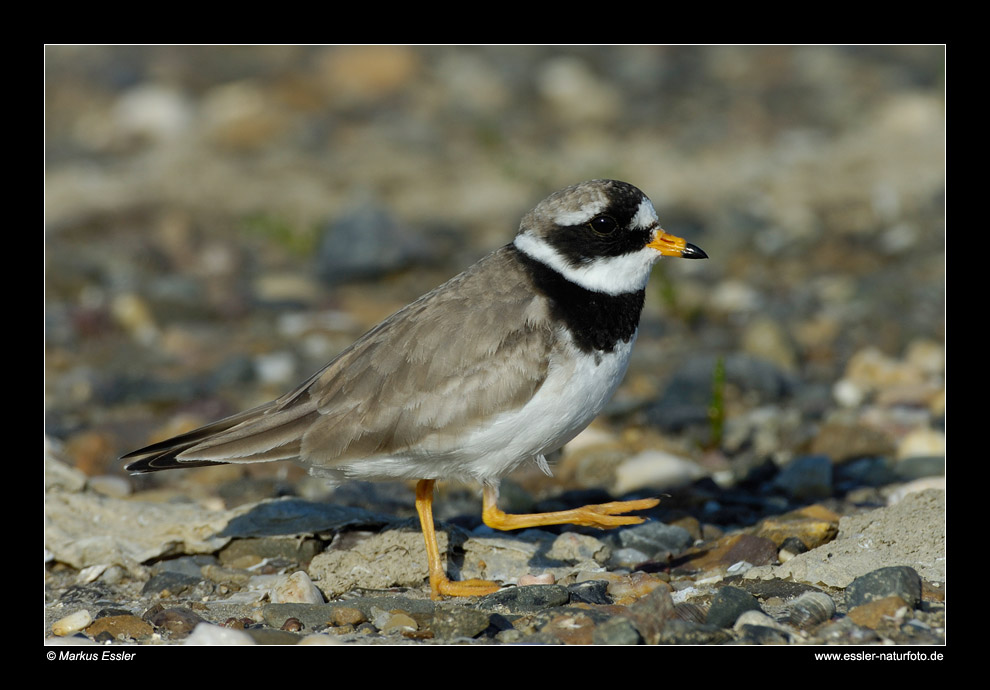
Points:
[[806, 477], [451, 623], [176, 622], [292, 516], [690, 632], [528, 598], [590, 592], [900, 580], [319, 616], [267, 636], [190, 566], [367, 242], [618, 630], [761, 634], [730, 603], [656, 539], [793, 545], [292, 550], [172, 582]]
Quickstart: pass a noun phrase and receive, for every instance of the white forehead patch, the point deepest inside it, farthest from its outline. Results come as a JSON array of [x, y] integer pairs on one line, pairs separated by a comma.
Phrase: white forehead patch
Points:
[[580, 216], [646, 215]]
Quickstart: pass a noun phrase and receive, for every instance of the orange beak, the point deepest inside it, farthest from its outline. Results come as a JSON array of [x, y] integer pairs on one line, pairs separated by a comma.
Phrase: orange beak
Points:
[[669, 245]]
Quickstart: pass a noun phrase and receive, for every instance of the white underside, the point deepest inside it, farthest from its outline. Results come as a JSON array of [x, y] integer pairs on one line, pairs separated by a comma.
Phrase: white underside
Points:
[[574, 393]]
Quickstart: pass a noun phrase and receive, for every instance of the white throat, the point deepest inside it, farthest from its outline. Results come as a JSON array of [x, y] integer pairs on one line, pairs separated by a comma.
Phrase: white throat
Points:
[[611, 275]]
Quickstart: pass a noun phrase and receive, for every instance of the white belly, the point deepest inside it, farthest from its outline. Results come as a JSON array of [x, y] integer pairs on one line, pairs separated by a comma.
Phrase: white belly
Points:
[[573, 394]]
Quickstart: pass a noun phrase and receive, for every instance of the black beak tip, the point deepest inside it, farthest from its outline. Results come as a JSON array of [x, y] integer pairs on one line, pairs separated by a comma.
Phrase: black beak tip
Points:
[[693, 252]]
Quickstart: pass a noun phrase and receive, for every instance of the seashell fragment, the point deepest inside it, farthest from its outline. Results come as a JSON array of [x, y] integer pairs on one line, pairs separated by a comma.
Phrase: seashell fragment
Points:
[[810, 609]]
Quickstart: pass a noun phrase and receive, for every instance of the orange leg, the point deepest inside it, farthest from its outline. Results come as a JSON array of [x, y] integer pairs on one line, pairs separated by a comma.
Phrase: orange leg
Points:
[[603, 515], [440, 585]]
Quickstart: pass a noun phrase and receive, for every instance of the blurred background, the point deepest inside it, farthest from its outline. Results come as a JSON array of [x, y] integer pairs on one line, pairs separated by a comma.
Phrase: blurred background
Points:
[[222, 220]]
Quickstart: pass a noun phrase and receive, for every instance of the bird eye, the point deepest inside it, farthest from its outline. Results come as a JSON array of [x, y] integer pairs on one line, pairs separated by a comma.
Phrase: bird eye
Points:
[[603, 225]]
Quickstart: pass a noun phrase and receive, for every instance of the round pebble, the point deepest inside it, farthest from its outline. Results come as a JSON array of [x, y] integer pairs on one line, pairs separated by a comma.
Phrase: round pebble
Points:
[[72, 623]]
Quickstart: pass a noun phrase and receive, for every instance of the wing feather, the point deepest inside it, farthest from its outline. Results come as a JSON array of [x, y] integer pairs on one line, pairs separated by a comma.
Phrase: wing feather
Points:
[[478, 345]]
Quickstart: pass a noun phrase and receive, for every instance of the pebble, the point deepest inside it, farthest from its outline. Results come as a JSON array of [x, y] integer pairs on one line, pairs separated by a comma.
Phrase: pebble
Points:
[[296, 588], [657, 540], [806, 478], [654, 470], [730, 550], [116, 628], [544, 579], [347, 615], [207, 635], [397, 622], [177, 622], [811, 527], [896, 581], [878, 612], [756, 618], [617, 631], [459, 622], [73, 623], [576, 548], [526, 598], [728, 604], [590, 592]]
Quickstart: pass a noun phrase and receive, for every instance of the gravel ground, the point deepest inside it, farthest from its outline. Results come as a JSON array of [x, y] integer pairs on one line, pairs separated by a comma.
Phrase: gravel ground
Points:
[[786, 396]]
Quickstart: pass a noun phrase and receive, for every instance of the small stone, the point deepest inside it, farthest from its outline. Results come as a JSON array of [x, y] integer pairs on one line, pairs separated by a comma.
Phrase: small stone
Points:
[[656, 539], [900, 581], [590, 592], [208, 635], [922, 443], [764, 337], [728, 604], [842, 440], [297, 588], [733, 549], [650, 614], [616, 631], [577, 548], [457, 622], [877, 612], [526, 598], [391, 558], [791, 547], [109, 485], [72, 623], [177, 622], [571, 627], [125, 627], [755, 617], [654, 470], [811, 526], [347, 615], [544, 579], [170, 583], [627, 589], [398, 622], [807, 477]]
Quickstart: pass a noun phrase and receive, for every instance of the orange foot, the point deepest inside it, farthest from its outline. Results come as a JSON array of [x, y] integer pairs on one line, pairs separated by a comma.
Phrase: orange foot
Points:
[[440, 584], [602, 515]]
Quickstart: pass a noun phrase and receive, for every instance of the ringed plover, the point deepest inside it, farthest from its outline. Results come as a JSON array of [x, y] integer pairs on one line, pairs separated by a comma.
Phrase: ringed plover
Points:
[[498, 366]]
